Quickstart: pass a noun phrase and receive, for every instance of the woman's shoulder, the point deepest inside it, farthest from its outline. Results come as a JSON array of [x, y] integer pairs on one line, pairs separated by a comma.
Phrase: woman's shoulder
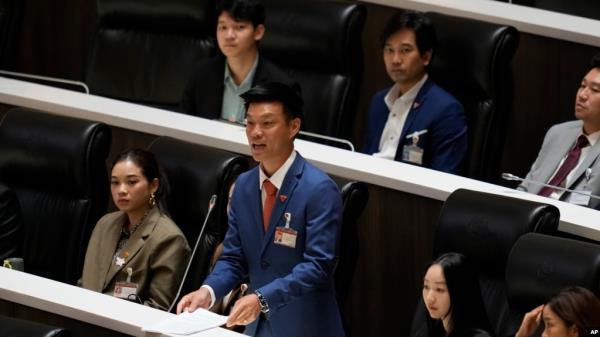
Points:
[[109, 219]]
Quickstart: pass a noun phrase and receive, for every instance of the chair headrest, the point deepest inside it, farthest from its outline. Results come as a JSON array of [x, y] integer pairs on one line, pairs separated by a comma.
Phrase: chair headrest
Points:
[[174, 15], [195, 173], [355, 196], [485, 226], [541, 265], [486, 51], [323, 35], [51, 152]]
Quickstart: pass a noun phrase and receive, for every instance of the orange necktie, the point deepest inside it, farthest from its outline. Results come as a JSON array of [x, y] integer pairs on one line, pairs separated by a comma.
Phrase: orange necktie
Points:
[[270, 190]]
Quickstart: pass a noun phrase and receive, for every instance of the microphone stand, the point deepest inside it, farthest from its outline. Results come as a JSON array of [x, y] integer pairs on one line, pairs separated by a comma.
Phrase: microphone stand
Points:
[[211, 206], [511, 177]]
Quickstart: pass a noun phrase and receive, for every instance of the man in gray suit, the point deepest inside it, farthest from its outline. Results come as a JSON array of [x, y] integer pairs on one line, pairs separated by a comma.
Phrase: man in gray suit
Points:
[[570, 151]]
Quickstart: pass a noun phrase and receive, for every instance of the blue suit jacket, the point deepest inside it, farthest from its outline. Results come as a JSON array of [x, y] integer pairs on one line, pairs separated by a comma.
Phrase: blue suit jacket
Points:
[[445, 143], [296, 282]]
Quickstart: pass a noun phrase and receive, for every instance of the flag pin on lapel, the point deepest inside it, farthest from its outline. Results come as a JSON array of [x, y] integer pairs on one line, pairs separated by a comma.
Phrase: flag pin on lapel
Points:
[[282, 197]]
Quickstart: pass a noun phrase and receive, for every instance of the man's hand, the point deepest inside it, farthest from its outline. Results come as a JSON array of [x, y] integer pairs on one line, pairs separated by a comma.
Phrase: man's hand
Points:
[[245, 311], [530, 323], [194, 300]]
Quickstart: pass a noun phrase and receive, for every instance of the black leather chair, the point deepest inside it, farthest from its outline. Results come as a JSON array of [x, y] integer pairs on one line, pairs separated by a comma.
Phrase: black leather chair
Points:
[[484, 228], [473, 61], [355, 196], [144, 50], [13, 327], [319, 44], [11, 224], [56, 166], [539, 266], [195, 173]]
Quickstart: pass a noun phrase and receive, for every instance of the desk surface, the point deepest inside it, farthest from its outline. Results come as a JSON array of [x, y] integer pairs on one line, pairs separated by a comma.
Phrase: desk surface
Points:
[[526, 19], [356, 166], [85, 305]]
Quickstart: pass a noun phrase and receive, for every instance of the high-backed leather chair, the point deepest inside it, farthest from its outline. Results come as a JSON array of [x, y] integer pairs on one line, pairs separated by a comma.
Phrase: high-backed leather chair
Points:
[[195, 173], [539, 266], [355, 196], [56, 166], [319, 44], [144, 50], [11, 224], [13, 327], [473, 61], [484, 228]]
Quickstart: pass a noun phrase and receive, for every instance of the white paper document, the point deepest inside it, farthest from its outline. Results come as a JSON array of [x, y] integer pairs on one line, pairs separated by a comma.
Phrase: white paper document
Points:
[[187, 323]]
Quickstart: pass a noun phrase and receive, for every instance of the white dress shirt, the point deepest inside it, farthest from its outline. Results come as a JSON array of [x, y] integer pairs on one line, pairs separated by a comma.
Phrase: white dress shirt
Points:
[[399, 105]]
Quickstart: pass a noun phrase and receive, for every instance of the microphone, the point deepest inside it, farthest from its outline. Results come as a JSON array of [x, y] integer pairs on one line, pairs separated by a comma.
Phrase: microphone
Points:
[[512, 177], [211, 206]]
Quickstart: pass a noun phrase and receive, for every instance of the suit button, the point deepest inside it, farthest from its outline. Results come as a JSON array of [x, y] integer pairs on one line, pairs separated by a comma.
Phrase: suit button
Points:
[[264, 264]]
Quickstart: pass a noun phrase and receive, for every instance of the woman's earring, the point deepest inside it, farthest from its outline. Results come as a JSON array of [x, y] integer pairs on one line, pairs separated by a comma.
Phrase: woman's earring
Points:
[[152, 200]]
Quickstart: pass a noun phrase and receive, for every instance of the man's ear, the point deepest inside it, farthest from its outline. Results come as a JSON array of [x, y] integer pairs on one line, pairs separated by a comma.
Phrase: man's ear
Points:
[[295, 127], [427, 57], [259, 32]]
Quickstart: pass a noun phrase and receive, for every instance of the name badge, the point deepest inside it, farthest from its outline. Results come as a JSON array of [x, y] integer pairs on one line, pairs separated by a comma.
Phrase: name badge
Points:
[[125, 290], [582, 198], [413, 153], [286, 236]]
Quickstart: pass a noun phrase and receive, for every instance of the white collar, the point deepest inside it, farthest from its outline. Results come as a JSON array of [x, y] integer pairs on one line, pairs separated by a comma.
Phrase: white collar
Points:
[[408, 96], [277, 177], [592, 137]]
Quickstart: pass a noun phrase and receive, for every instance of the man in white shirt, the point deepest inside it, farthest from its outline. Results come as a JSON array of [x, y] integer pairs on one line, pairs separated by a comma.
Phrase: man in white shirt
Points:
[[415, 121]]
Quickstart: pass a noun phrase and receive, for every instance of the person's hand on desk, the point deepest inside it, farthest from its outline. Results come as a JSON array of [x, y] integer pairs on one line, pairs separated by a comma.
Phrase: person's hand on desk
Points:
[[194, 300], [245, 311]]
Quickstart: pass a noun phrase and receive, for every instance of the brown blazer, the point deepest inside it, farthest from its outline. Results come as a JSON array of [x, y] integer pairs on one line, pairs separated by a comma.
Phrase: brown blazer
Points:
[[157, 252]]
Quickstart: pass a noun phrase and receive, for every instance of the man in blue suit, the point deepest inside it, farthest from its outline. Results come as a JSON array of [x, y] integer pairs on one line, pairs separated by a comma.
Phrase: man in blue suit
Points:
[[415, 121], [284, 226]]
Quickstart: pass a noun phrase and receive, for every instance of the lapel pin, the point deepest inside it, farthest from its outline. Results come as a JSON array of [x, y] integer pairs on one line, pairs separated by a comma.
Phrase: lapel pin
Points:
[[416, 105], [120, 261], [283, 198]]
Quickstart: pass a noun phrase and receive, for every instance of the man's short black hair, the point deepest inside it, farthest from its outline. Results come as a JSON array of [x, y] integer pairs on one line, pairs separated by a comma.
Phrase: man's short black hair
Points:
[[595, 61], [243, 10], [417, 21], [289, 97]]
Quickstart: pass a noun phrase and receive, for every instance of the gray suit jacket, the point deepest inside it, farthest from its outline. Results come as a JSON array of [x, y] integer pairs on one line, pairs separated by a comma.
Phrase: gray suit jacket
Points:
[[557, 143], [157, 252]]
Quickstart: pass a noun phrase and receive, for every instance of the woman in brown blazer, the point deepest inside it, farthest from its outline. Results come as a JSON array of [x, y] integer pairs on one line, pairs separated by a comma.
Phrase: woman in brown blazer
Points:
[[137, 253]]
